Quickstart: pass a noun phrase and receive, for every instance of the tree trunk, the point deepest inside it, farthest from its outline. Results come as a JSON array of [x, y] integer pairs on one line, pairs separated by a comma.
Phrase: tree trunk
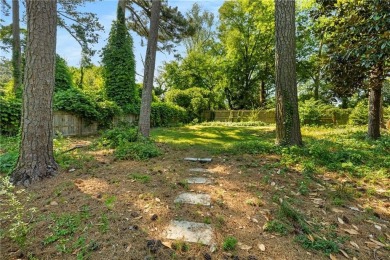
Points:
[[262, 94], [36, 159], [374, 117], [288, 130], [150, 60], [122, 4], [16, 49]]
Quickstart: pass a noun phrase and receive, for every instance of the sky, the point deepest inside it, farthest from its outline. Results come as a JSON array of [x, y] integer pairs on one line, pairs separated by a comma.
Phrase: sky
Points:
[[69, 49]]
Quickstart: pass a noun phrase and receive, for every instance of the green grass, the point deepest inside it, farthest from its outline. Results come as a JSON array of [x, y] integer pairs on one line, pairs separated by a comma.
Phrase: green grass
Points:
[[229, 243], [140, 177]]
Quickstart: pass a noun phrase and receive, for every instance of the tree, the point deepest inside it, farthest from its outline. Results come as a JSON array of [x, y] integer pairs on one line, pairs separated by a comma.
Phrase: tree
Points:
[[119, 66], [288, 130], [173, 27], [16, 49], [150, 60], [359, 41], [246, 32], [36, 158]]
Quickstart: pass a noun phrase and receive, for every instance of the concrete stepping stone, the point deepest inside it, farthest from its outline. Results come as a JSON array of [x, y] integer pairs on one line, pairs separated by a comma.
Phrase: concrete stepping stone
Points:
[[199, 170], [190, 232], [194, 198], [198, 180], [202, 160]]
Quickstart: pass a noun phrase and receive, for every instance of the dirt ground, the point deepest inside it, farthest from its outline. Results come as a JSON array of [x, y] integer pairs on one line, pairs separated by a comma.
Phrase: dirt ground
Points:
[[126, 213]]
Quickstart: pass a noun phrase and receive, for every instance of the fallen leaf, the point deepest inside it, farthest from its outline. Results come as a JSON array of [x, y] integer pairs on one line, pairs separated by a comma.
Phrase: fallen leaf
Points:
[[243, 246], [372, 245], [344, 253], [355, 227], [377, 242], [354, 244], [54, 203], [310, 237], [128, 249], [354, 208], [332, 257], [255, 220], [335, 210], [378, 227], [351, 231], [139, 217], [354, 258], [157, 199], [340, 220], [261, 247], [167, 244], [213, 248]]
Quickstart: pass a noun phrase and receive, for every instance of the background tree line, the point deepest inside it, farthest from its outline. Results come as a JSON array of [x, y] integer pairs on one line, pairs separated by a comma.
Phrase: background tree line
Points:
[[339, 51]]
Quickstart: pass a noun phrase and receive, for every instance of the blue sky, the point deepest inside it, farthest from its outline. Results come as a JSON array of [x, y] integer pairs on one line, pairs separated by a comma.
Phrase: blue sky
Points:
[[68, 48]]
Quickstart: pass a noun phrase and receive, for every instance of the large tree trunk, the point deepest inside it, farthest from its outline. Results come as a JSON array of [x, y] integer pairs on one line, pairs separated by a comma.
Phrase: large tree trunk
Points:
[[16, 49], [374, 116], [150, 60], [36, 159], [288, 130]]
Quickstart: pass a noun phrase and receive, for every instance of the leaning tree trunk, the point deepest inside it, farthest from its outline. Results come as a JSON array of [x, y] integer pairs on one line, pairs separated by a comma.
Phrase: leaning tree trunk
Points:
[[374, 116], [16, 49], [288, 131], [36, 159], [150, 60]]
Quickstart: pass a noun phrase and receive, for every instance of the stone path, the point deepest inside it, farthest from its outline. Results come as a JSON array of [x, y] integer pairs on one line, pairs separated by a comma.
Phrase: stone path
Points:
[[192, 231]]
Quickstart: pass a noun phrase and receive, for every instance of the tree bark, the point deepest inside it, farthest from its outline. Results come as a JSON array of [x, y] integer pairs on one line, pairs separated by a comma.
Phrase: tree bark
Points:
[[36, 158], [317, 80], [374, 116], [16, 49], [288, 130], [150, 60]]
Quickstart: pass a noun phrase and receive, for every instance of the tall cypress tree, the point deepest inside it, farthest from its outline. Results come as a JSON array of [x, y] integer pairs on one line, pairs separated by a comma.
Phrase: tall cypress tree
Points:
[[119, 66]]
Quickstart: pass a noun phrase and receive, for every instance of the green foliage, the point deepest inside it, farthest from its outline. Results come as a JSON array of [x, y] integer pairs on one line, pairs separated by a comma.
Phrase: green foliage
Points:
[[246, 32], [110, 201], [320, 244], [311, 111], [229, 243], [75, 101], [9, 147], [252, 147], [194, 100], [10, 113], [107, 110], [276, 226], [14, 212], [359, 115], [63, 230], [119, 67], [140, 150], [140, 177], [63, 77], [114, 137], [166, 114]]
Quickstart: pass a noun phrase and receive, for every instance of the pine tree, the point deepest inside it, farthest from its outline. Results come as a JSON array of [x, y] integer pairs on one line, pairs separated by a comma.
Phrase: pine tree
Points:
[[119, 66]]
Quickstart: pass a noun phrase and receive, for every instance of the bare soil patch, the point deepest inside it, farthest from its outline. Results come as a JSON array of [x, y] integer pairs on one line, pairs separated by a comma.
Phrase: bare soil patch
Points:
[[121, 208]]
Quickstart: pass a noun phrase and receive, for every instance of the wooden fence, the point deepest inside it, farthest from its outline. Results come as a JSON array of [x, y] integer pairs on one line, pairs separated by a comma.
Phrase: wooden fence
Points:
[[266, 116], [67, 124]]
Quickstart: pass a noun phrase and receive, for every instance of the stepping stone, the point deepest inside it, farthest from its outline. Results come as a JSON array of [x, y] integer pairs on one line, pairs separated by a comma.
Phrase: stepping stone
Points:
[[194, 198], [198, 180], [199, 170], [190, 232], [203, 160]]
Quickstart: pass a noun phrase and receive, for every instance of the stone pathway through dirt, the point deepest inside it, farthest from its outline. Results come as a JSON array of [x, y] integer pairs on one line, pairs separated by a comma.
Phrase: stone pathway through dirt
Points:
[[191, 231]]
